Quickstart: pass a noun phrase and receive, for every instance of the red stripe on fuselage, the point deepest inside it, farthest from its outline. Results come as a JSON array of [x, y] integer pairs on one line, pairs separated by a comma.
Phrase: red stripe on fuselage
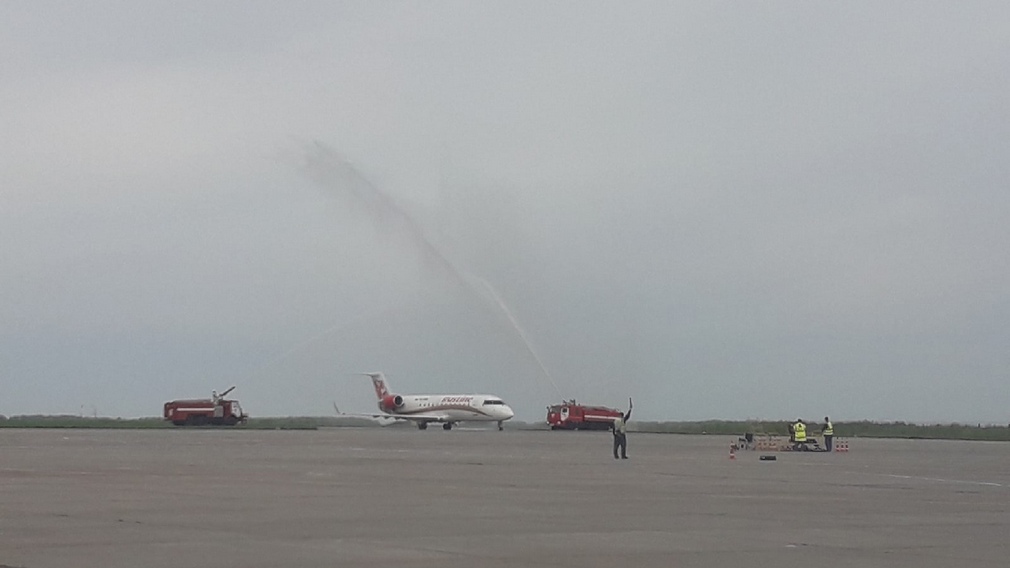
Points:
[[437, 408]]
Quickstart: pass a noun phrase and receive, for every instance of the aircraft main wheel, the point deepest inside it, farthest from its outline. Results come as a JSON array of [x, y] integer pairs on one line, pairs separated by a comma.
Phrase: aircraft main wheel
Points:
[[447, 426], [422, 425]]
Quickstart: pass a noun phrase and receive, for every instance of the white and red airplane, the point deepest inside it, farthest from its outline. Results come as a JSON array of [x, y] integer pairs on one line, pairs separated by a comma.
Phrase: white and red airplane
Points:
[[446, 409]]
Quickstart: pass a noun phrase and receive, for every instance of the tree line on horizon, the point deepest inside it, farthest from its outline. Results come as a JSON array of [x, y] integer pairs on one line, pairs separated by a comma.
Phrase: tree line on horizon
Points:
[[857, 429]]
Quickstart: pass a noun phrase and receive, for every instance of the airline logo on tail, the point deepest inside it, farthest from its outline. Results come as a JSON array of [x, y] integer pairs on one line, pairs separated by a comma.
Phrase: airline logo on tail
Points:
[[379, 382]]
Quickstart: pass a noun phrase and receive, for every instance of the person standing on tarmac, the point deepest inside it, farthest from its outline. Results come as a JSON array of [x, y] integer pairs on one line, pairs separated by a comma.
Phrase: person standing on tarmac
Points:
[[828, 431], [620, 427], [800, 435]]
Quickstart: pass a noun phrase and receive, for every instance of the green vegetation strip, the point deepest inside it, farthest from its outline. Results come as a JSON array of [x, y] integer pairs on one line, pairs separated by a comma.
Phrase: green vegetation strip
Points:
[[864, 429]]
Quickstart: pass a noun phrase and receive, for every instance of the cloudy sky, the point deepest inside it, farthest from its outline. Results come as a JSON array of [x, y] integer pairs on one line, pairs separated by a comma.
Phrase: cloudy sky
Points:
[[723, 209]]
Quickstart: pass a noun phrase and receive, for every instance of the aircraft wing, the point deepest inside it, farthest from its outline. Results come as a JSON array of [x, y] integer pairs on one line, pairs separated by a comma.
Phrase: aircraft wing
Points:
[[410, 417]]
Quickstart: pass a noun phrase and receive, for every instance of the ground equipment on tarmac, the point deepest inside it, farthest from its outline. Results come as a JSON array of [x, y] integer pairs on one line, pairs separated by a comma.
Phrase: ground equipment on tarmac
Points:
[[769, 443], [213, 411]]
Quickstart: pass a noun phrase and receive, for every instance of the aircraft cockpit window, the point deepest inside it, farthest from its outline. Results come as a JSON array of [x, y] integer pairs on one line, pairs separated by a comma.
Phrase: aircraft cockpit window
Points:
[[493, 401]]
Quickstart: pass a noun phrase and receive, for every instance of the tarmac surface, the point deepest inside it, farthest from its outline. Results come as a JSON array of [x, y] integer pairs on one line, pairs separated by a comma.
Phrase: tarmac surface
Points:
[[405, 498]]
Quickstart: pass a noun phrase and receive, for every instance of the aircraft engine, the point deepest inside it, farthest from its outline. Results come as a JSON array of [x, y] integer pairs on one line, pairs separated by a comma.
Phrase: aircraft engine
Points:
[[391, 402]]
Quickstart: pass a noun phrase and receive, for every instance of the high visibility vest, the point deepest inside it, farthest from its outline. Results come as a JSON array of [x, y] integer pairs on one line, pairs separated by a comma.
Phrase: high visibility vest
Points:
[[829, 429], [800, 430]]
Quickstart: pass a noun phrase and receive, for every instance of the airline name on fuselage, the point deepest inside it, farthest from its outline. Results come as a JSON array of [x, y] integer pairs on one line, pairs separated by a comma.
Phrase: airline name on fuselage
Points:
[[456, 399]]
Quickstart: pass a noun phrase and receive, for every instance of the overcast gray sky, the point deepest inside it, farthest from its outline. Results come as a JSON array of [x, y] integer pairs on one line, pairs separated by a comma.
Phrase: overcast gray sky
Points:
[[723, 209]]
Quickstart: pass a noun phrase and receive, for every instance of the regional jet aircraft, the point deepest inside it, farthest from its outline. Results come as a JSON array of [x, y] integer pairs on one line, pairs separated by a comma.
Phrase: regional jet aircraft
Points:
[[446, 409]]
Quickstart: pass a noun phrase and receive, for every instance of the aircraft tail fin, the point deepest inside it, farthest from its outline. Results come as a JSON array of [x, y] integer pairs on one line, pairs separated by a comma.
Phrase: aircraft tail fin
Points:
[[380, 384]]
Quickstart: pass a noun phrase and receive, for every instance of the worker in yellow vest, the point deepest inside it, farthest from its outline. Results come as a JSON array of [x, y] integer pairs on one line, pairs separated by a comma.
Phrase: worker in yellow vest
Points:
[[828, 431], [800, 434]]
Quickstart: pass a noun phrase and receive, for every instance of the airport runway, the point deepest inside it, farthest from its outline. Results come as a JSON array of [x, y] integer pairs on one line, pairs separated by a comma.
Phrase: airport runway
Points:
[[404, 498]]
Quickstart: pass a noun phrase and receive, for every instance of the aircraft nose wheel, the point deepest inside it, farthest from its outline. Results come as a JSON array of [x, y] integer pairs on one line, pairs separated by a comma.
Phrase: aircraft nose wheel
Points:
[[501, 426], [447, 426]]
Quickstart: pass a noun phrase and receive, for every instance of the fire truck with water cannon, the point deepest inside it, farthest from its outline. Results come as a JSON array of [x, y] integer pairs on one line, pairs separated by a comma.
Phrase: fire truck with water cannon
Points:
[[570, 415], [214, 411]]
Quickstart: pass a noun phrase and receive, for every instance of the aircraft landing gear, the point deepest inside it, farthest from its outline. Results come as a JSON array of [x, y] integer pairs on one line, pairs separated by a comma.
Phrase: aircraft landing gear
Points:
[[447, 426], [501, 425], [422, 425]]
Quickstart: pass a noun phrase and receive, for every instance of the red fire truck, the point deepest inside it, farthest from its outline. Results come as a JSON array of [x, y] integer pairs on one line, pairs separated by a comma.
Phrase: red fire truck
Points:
[[216, 411], [570, 415]]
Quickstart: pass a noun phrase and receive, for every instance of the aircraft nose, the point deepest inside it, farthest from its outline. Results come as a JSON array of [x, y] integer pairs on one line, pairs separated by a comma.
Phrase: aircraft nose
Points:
[[508, 412]]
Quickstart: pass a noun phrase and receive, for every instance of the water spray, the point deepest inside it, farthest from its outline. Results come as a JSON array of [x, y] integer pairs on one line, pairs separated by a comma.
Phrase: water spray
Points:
[[335, 173], [520, 331]]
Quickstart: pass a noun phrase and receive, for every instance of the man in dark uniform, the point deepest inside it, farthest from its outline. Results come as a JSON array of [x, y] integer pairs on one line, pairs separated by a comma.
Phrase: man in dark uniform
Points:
[[620, 428]]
